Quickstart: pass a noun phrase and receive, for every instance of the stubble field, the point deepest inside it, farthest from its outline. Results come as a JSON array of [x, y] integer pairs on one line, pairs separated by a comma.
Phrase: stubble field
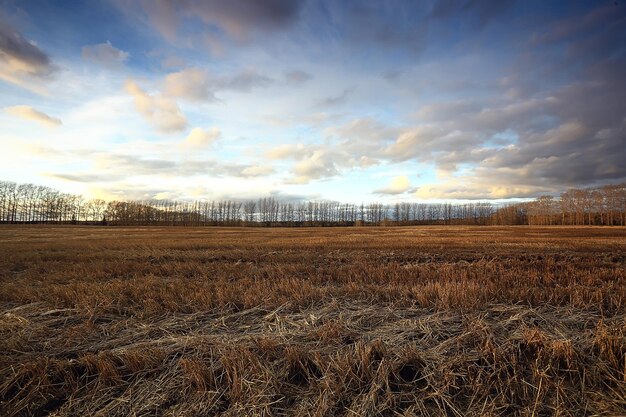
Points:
[[402, 321]]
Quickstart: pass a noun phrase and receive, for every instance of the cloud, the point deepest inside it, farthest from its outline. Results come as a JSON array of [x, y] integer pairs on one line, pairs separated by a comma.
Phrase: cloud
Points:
[[413, 143], [256, 171], [288, 150], [114, 166], [240, 16], [134, 164], [22, 62], [191, 84], [364, 135], [85, 178], [105, 54], [199, 138], [497, 121], [494, 146], [313, 161], [504, 146], [355, 144], [244, 81], [195, 84], [318, 165], [398, 185], [466, 188], [336, 100], [237, 18], [162, 112], [29, 113], [297, 77]]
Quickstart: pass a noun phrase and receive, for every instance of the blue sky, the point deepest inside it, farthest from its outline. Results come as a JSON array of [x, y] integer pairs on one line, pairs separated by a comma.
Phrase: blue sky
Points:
[[351, 101]]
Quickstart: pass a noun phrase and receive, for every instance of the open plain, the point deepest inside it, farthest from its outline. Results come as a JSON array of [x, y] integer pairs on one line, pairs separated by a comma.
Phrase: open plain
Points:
[[361, 321]]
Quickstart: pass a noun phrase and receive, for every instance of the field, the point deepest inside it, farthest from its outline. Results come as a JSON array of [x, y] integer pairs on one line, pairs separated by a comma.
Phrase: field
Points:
[[415, 321]]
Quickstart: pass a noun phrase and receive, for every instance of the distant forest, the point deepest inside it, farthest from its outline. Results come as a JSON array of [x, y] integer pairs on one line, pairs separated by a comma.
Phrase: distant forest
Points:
[[28, 203]]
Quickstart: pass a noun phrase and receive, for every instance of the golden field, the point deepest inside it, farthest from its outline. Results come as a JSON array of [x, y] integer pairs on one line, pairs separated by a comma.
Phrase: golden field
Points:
[[361, 321]]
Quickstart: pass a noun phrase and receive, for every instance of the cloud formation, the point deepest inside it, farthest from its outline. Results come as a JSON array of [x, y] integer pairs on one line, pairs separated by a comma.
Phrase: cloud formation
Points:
[[244, 81], [520, 99], [34, 115], [22, 62], [105, 54], [191, 84], [237, 18], [341, 98], [318, 165], [127, 166], [195, 84], [199, 138], [161, 112]]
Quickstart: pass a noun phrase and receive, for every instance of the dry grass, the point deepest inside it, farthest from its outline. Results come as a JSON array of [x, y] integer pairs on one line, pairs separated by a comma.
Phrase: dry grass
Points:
[[448, 321]]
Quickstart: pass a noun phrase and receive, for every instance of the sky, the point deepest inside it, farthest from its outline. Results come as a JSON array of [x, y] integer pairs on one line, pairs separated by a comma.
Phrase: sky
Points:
[[354, 101]]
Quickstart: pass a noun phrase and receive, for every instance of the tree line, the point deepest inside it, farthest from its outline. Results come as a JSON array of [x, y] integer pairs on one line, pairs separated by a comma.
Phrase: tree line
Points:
[[28, 203]]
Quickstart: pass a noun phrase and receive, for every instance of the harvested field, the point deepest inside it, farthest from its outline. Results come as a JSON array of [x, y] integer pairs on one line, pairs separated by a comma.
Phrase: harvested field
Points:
[[415, 321]]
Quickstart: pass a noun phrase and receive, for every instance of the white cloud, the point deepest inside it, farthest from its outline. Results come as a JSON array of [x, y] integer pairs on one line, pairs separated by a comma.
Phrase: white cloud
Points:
[[238, 19], [199, 138], [411, 143], [398, 185], [29, 113], [468, 188], [318, 165], [191, 84], [256, 171], [287, 150], [162, 112]]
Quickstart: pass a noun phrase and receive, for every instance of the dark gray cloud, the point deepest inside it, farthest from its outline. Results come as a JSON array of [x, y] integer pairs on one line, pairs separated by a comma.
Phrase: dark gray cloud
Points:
[[572, 136], [14, 47], [21, 60], [241, 15], [238, 18], [510, 146]]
